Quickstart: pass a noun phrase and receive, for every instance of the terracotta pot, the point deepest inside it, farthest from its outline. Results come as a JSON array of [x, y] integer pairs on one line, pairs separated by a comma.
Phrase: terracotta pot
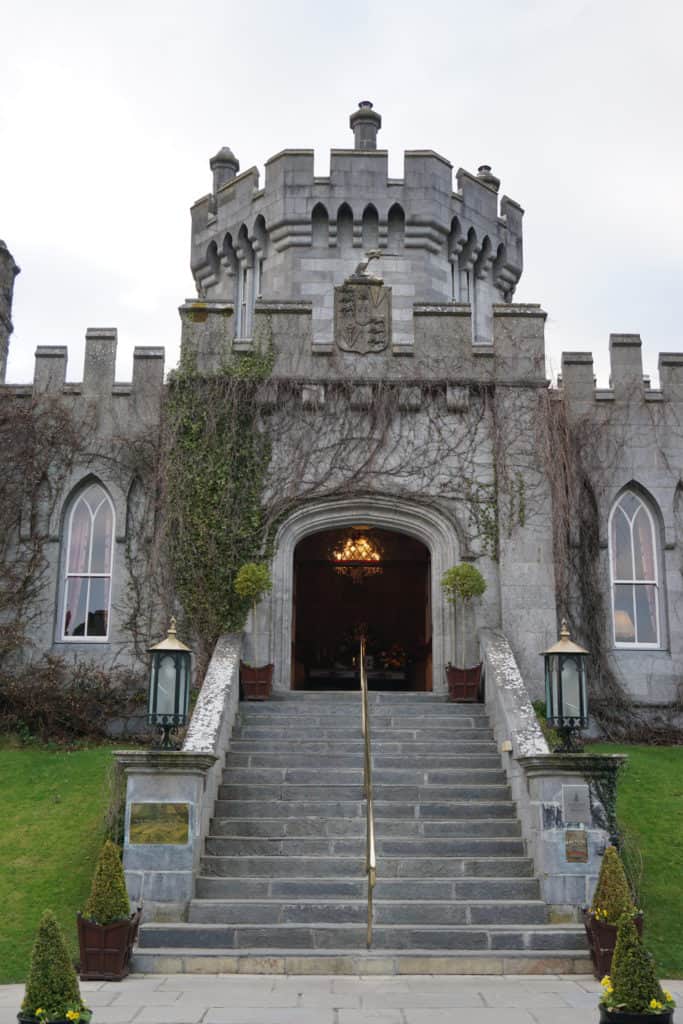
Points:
[[106, 948], [623, 1017], [256, 683], [463, 683], [602, 938]]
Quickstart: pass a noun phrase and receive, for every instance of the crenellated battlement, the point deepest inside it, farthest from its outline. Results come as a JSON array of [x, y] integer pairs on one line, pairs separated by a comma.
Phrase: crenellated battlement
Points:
[[627, 383], [300, 235], [98, 380]]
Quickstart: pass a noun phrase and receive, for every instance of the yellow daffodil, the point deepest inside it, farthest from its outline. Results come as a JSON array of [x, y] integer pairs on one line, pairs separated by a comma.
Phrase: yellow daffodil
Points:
[[667, 995], [72, 1014]]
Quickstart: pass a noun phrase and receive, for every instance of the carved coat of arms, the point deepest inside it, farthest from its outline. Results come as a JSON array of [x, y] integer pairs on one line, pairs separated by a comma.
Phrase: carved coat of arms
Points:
[[362, 314]]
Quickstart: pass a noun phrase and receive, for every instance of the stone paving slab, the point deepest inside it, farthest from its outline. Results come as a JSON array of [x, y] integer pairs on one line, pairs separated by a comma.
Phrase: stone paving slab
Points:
[[334, 999]]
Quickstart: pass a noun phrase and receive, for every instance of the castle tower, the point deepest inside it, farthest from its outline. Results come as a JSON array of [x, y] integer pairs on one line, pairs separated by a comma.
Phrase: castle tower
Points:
[[8, 271], [298, 237]]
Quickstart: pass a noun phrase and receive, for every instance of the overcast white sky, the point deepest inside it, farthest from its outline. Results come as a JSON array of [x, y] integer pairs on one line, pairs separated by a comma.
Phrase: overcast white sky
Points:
[[109, 114]]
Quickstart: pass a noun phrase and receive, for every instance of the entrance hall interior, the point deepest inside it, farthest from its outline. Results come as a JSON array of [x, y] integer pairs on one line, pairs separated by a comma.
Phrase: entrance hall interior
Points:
[[360, 579]]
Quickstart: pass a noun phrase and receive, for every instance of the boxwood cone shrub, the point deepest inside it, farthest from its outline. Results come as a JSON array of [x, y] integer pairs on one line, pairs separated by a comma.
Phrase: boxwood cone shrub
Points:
[[612, 898], [634, 978], [108, 900], [52, 985]]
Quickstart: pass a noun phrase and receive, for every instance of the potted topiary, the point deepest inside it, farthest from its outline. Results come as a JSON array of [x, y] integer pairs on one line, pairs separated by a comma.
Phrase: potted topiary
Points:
[[106, 929], [612, 900], [462, 583], [632, 994], [252, 582], [52, 993]]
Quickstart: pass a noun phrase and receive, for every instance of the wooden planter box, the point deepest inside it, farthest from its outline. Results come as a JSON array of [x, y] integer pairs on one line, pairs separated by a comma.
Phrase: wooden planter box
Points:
[[106, 948], [256, 683], [602, 938], [463, 683]]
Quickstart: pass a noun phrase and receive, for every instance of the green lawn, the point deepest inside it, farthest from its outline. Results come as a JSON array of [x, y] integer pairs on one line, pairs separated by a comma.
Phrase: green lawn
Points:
[[650, 808], [53, 806]]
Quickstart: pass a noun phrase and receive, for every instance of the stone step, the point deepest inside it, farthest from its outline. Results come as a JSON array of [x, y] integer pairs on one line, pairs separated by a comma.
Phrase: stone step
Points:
[[393, 732], [391, 963], [302, 745], [344, 846], [383, 793], [315, 912], [300, 827], [353, 696], [406, 762], [326, 776], [353, 936], [309, 808], [322, 866], [445, 713], [507, 889]]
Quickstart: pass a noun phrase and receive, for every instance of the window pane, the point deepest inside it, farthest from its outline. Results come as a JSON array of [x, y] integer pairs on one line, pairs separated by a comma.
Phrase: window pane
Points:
[[630, 504], [80, 538], [643, 546], [646, 612], [76, 603], [621, 546], [98, 607], [624, 619], [93, 496], [101, 541]]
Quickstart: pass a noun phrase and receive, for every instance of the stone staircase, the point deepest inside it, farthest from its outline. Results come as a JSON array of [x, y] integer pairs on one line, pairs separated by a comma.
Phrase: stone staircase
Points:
[[282, 883]]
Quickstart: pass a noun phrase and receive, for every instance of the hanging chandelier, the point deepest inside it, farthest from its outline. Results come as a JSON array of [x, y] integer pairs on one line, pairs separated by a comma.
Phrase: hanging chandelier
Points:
[[356, 556]]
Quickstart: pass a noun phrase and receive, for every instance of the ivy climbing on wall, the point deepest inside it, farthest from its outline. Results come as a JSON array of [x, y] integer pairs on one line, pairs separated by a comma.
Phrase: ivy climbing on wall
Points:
[[215, 460]]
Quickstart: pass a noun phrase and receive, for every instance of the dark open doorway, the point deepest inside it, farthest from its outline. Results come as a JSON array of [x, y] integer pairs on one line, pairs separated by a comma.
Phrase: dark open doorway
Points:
[[334, 602]]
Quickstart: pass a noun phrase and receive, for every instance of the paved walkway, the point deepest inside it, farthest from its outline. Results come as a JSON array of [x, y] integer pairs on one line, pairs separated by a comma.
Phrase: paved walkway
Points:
[[278, 999]]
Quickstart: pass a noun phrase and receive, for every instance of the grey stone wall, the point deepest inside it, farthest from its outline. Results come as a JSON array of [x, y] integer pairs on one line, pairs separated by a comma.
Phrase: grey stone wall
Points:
[[117, 426], [631, 436]]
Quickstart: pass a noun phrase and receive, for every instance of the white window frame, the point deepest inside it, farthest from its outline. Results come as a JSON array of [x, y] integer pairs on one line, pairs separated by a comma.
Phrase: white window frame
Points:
[[616, 581], [67, 576], [245, 302]]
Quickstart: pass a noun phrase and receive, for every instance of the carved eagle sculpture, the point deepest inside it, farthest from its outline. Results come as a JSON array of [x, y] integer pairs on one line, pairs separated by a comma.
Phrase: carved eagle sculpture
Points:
[[362, 268]]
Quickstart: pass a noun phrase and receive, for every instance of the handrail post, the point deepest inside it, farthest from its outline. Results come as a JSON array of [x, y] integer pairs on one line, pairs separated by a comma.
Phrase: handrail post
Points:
[[370, 855]]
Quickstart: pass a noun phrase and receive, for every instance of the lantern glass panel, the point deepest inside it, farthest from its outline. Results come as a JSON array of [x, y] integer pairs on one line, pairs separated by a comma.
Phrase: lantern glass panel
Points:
[[571, 688], [166, 685], [552, 685], [184, 673]]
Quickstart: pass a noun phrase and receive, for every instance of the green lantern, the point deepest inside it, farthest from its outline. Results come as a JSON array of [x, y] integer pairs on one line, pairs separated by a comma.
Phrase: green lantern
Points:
[[169, 685], [566, 697]]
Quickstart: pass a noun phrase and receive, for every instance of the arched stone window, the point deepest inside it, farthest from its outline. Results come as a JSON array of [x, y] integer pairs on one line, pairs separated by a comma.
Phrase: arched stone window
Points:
[[634, 569], [88, 554]]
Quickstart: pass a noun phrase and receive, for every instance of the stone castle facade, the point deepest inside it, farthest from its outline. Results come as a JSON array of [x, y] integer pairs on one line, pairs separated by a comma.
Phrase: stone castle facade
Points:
[[408, 394]]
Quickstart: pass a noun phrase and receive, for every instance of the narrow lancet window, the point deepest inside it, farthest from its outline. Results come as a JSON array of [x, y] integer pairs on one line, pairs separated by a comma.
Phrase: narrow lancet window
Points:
[[635, 574], [88, 569]]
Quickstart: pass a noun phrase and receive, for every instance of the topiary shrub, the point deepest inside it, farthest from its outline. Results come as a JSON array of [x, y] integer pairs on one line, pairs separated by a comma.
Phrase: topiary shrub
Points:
[[252, 581], [108, 899], [612, 898], [633, 985], [463, 582], [52, 988]]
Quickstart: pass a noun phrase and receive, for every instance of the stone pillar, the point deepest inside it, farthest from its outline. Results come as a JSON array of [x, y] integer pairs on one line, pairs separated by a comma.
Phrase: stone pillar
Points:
[[8, 271]]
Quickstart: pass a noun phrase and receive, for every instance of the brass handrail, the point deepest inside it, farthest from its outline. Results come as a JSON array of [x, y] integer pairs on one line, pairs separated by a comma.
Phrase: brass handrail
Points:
[[370, 855]]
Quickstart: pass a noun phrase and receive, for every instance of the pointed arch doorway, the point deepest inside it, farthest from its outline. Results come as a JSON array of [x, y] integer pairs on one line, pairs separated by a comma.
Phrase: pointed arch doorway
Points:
[[437, 531], [361, 579]]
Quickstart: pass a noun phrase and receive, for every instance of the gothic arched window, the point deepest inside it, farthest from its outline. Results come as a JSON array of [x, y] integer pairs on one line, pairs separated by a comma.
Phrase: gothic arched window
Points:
[[634, 567], [87, 566]]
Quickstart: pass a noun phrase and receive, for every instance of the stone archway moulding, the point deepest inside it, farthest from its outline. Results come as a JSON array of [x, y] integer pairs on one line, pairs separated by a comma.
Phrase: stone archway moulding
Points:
[[427, 524]]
